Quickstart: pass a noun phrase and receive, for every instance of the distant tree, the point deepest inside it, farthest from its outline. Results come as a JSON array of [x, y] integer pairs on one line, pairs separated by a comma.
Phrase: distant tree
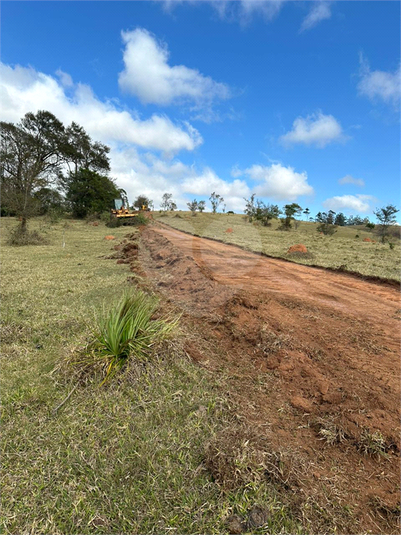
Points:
[[215, 200], [326, 223], [250, 208], [168, 203], [33, 153], [89, 192], [306, 212], [193, 206], [266, 212], [386, 217], [370, 226], [123, 197], [201, 206], [340, 220], [290, 211], [140, 201], [354, 220]]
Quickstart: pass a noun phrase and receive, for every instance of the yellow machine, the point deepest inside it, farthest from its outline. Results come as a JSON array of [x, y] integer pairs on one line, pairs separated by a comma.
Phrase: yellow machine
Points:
[[120, 211], [124, 213]]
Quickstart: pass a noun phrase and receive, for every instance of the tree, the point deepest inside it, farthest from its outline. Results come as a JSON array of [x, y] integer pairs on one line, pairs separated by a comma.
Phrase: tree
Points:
[[266, 212], [340, 220], [142, 200], [386, 217], [290, 211], [193, 206], [33, 153], [83, 153], [250, 208], [167, 202], [201, 206], [216, 200], [48, 200], [89, 192], [326, 223], [306, 212]]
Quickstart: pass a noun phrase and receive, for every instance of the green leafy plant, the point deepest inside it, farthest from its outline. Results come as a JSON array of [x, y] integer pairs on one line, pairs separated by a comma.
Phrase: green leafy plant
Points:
[[127, 331]]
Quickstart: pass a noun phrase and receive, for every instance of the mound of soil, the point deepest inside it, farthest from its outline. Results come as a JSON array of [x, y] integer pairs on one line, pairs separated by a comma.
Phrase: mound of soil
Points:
[[229, 230], [109, 237], [309, 359], [368, 240], [299, 248]]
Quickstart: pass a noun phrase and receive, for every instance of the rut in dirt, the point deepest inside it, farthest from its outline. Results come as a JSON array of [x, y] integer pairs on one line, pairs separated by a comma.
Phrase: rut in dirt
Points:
[[312, 360]]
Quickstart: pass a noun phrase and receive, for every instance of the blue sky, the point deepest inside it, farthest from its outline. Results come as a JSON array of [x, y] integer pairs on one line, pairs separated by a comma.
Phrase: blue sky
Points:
[[293, 101]]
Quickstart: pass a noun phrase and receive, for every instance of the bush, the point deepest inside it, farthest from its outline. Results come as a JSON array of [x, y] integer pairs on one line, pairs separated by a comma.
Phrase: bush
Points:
[[20, 237], [127, 331]]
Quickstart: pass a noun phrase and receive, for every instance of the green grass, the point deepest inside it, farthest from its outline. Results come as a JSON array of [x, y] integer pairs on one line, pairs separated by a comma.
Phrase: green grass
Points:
[[127, 457], [342, 249]]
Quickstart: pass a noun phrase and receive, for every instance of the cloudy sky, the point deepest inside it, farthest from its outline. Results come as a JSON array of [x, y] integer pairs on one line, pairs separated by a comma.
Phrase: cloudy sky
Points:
[[294, 101]]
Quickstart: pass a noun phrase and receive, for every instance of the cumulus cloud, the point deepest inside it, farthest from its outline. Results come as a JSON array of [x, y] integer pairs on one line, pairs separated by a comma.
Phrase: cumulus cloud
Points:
[[348, 179], [279, 182], [149, 175], [316, 129], [350, 203], [148, 75], [24, 89], [319, 11], [379, 85]]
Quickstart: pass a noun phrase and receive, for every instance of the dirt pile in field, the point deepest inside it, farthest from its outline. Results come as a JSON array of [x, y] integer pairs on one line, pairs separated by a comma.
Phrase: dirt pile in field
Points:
[[310, 360], [299, 248]]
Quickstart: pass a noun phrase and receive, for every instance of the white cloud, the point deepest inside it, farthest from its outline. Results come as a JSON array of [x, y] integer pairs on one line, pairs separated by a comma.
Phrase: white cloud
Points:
[[147, 174], [279, 182], [379, 85], [348, 179], [236, 171], [148, 75], [316, 129], [350, 203], [24, 89], [237, 10], [320, 11]]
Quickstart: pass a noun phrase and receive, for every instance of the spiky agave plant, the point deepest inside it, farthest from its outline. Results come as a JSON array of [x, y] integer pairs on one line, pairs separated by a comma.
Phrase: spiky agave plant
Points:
[[128, 330]]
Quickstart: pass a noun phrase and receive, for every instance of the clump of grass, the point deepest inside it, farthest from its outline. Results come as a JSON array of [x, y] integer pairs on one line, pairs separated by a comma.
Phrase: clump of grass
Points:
[[19, 237], [235, 458], [127, 331], [330, 432], [372, 443]]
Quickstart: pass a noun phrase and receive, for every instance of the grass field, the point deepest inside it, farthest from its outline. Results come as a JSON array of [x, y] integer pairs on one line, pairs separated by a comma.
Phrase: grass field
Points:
[[345, 248], [123, 458]]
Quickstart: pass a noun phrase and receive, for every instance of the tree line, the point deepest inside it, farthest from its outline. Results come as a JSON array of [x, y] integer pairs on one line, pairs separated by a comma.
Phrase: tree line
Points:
[[45, 165]]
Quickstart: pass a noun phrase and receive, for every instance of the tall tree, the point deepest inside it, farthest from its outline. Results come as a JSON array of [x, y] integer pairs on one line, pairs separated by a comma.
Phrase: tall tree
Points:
[[216, 200], [89, 192], [33, 152], [167, 202], [290, 211], [386, 217]]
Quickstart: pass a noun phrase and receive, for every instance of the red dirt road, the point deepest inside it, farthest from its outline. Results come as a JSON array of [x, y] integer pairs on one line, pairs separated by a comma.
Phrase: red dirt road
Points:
[[309, 357]]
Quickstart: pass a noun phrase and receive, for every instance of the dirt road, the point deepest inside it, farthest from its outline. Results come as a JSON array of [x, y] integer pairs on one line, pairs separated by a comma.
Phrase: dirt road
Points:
[[308, 356]]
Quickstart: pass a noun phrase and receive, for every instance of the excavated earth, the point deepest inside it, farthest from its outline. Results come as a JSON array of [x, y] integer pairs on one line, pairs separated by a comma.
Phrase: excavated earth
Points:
[[310, 359]]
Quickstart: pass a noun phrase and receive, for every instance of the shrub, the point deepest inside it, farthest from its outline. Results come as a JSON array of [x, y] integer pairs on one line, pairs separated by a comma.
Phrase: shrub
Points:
[[19, 237], [126, 331]]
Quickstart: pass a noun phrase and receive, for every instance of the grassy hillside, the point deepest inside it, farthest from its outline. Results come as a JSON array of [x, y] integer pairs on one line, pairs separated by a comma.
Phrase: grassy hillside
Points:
[[345, 248], [127, 457]]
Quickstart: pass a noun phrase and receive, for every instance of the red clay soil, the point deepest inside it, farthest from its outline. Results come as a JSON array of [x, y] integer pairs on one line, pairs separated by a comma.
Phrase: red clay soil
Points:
[[309, 357]]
